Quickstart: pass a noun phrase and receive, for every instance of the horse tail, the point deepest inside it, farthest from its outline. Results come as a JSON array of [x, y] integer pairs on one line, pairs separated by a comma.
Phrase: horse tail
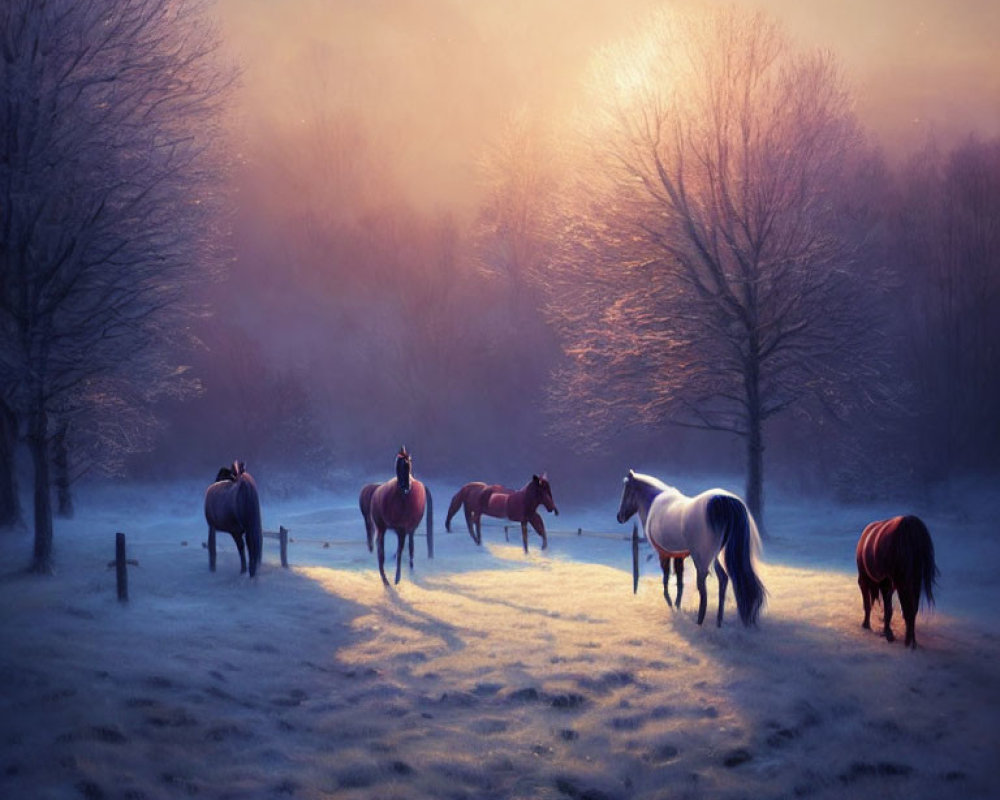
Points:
[[916, 556], [364, 504], [430, 522], [729, 516], [456, 503], [249, 509]]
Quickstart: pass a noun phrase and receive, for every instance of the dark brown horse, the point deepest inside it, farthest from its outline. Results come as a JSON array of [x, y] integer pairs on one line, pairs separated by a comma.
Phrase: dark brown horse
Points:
[[896, 555], [398, 504], [520, 506], [232, 505], [470, 498]]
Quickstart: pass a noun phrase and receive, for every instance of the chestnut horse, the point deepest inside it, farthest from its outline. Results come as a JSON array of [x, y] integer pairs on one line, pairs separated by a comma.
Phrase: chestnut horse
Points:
[[398, 504], [470, 498], [896, 555], [232, 505], [520, 506]]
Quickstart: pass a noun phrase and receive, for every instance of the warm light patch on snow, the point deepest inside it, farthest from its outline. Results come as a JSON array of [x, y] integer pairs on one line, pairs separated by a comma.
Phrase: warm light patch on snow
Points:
[[484, 673]]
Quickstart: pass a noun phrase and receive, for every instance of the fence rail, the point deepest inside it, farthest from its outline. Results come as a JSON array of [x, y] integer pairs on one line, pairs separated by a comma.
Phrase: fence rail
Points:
[[284, 538]]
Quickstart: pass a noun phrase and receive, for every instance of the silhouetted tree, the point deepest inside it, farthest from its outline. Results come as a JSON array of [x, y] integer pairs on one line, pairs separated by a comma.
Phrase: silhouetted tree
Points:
[[10, 502], [107, 202], [707, 270]]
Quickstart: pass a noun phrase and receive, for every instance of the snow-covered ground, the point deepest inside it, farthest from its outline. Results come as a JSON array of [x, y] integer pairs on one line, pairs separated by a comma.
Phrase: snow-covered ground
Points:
[[485, 673]]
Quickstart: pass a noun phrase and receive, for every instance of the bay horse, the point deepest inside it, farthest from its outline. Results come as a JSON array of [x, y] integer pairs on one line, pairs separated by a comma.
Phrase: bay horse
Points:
[[470, 498], [703, 527], [233, 505], [896, 555], [398, 504], [520, 506]]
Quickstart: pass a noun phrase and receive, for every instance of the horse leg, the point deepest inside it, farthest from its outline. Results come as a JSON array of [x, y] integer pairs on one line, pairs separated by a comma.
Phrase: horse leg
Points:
[[211, 549], [479, 527], [411, 537], [866, 598], [887, 609], [679, 575], [723, 579], [908, 604], [665, 566], [539, 526], [524, 534], [380, 541], [401, 537], [702, 594], [241, 547], [469, 519]]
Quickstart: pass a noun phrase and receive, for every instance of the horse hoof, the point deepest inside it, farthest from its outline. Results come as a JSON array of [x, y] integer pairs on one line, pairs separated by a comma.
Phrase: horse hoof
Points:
[[889, 637]]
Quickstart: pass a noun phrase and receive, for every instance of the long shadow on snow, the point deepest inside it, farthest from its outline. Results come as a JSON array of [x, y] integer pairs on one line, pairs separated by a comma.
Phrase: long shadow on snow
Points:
[[872, 708]]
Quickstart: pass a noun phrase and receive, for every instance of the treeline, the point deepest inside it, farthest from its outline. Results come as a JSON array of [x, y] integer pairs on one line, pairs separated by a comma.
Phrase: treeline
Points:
[[695, 272]]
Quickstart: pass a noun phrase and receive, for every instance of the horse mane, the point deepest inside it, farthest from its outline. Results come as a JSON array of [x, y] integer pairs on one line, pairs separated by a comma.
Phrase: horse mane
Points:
[[649, 486]]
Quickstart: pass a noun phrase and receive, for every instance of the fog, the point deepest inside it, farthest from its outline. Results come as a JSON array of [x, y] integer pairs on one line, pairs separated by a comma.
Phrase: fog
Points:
[[357, 283], [361, 307]]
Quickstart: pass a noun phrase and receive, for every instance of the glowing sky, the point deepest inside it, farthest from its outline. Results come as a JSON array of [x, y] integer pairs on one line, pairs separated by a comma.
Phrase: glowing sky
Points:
[[434, 78]]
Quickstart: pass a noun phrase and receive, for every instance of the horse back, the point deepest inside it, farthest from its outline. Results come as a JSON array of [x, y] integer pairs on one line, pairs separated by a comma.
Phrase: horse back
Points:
[[233, 506], [668, 524], [494, 502], [220, 506], [877, 548], [390, 508], [900, 550], [472, 492]]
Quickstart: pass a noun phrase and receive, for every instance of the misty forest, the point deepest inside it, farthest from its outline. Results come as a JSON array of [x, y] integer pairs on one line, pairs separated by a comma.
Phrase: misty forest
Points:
[[746, 245]]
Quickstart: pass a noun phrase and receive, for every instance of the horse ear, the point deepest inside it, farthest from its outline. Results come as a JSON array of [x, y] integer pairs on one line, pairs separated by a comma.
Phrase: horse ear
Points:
[[534, 479], [631, 473]]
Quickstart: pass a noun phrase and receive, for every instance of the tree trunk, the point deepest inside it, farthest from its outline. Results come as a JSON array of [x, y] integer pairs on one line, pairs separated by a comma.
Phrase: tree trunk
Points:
[[60, 465], [755, 444], [38, 445], [755, 472], [10, 502]]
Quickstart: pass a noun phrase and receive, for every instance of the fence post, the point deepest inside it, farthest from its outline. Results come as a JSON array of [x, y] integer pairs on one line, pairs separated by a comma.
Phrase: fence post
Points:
[[283, 535], [506, 538], [635, 558], [211, 549], [121, 567]]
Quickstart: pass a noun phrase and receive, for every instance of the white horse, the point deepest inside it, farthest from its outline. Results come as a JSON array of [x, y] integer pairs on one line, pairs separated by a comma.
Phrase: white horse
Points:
[[677, 525]]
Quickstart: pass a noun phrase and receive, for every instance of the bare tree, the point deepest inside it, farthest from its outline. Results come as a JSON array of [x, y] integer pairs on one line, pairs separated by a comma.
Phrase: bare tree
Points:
[[10, 503], [107, 207], [519, 180], [708, 271]]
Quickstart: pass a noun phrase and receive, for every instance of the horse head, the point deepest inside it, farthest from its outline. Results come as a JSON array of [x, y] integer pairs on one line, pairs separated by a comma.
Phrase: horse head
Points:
[[630, 498], [404, 467], [545, 492]]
